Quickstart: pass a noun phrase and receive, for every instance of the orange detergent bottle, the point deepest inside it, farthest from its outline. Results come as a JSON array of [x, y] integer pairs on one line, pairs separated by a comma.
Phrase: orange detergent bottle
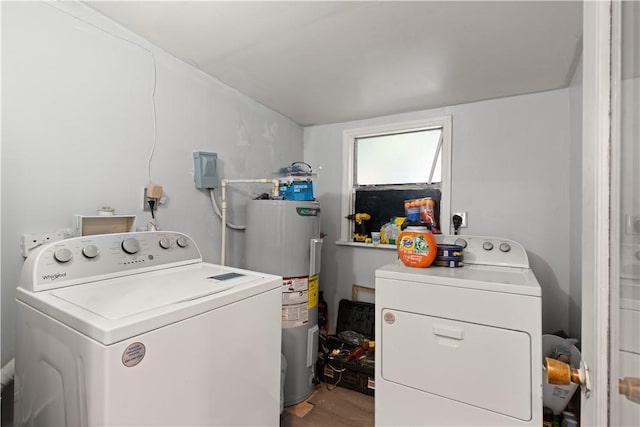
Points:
[[417, 246]]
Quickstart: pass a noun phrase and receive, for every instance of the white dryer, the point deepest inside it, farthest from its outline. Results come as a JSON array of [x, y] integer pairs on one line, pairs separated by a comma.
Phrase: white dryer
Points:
[[460, 346], [134, 329]]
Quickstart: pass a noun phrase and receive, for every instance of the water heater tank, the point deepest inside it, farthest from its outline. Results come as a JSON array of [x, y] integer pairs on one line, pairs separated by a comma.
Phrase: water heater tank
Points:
[[283, 238]]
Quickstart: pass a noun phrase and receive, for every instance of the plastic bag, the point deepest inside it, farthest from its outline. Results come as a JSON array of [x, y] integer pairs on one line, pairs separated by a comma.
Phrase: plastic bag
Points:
[[352, 337], [389, 232]]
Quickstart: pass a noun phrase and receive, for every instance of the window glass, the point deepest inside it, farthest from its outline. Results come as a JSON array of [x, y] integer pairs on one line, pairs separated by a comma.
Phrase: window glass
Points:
[[388, 163], [400, 158]]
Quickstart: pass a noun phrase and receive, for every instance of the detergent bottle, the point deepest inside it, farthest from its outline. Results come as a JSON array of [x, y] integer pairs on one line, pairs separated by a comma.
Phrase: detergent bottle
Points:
[[416, 245]]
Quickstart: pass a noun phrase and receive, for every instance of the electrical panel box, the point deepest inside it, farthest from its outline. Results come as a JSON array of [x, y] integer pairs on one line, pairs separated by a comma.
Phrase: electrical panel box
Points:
[[205, 173]]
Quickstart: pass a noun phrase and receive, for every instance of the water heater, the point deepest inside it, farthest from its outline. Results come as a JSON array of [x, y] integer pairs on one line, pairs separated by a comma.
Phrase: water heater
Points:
[[283, 238]]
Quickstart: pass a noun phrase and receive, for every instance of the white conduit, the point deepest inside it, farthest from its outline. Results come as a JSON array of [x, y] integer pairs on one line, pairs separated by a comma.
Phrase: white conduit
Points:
[[216, 209], [223, 202], [7, 373]]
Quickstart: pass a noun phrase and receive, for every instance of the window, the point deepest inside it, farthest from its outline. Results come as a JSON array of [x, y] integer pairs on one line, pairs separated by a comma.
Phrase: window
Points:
[[399, 158], [385, 165]]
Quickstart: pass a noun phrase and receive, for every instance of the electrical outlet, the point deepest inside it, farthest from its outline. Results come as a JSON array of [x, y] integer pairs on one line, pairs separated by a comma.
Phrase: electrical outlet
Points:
[[462, 215], [145, 200], [29, 242]]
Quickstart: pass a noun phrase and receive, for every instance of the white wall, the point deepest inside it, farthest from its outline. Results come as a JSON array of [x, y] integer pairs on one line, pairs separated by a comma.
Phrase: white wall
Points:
[[77, 133], [575, 208], [630, 157], [510, 172]]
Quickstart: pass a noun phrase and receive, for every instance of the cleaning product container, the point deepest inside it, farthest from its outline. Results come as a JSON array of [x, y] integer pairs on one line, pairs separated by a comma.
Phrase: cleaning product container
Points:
[[389, 232], [417, 246], [556, 397]]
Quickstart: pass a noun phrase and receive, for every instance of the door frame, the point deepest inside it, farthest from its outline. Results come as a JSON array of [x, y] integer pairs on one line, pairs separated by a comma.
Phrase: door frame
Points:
[[596, 168]]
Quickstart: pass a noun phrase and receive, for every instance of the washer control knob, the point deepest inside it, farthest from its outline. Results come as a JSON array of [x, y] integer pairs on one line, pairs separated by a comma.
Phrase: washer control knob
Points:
[[182, 241], [90, 251], [62, 255], [130, 245], [165, 243], [487, 246], [505, 247], [461, 242]]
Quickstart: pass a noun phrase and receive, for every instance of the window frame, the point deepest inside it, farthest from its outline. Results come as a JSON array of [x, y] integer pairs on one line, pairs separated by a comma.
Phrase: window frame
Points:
[[349, 137]]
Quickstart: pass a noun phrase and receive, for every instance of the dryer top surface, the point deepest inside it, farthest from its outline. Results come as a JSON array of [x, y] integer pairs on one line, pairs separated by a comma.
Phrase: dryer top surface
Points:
[[511, 280], [490, 263]]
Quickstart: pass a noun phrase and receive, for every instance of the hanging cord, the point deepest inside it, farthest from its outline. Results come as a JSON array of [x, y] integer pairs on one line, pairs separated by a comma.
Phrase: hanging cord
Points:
[[216, 209], [152, 225], [340, 371], [342, 352], [155, 78], [152, 205]]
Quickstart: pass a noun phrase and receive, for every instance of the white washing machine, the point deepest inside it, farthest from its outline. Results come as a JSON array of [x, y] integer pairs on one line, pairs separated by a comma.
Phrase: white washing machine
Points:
[[460, 346], [134, 329]]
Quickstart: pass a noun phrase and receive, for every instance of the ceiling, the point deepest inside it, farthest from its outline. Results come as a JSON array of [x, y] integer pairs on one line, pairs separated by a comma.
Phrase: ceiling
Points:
[[321, 62]]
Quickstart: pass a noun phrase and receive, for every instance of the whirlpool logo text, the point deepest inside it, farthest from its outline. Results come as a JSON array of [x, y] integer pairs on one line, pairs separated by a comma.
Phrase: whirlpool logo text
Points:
[[53, 276]]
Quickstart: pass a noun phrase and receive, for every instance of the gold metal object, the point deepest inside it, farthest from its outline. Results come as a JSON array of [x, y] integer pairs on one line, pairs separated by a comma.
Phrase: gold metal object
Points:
[[561, 373]]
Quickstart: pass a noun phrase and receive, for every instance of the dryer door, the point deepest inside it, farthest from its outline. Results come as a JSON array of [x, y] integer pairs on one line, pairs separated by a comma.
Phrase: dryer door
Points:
[[478, 365]]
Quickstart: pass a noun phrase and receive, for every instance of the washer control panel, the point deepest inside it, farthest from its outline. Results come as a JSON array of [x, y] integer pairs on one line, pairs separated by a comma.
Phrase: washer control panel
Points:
[[89, 258], [488, 250]]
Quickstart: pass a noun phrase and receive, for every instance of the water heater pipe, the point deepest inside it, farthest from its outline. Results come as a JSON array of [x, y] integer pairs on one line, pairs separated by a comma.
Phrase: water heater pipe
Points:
[[223, 202]]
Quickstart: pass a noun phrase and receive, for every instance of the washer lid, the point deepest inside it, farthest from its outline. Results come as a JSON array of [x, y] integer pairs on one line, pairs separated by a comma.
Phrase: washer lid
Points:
[[512, 280], [131, 295], [115, 309]]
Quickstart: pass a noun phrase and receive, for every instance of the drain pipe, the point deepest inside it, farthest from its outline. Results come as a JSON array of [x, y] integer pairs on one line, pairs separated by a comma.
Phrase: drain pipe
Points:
[[7, 373], [223, 203]]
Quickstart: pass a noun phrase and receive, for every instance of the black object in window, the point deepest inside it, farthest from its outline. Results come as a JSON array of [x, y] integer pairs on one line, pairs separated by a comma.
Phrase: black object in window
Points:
[[385, 204]]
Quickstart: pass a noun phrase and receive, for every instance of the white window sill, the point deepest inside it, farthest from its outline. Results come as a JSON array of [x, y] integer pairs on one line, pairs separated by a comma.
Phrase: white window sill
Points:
[[364, 245]]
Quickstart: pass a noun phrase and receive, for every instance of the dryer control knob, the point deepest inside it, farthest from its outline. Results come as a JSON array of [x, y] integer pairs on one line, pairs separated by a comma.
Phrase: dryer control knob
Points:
[[165, 243], [505, 247], [90, 251], [130, 246], [182, 241], [487, 246], [461, 242], [63, 255]]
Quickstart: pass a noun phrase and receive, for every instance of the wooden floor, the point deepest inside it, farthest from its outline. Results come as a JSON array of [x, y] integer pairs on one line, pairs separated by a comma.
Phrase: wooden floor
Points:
[[335, 407]]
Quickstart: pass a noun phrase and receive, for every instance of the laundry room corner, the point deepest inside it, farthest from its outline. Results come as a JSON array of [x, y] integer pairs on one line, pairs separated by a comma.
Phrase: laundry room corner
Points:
[[92, 114], [526, 198], [352, 213]]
